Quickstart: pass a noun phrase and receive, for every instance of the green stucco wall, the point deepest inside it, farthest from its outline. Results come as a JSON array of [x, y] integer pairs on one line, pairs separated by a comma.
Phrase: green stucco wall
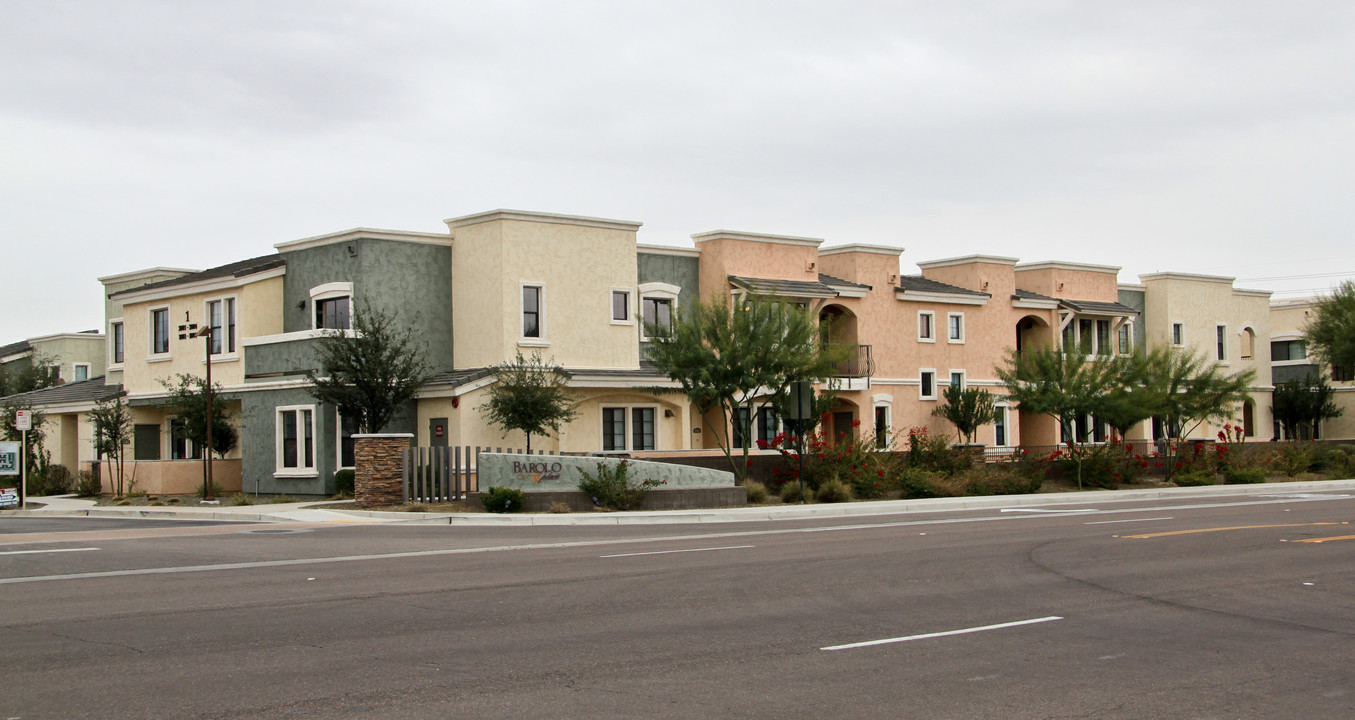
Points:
[[685, 272]]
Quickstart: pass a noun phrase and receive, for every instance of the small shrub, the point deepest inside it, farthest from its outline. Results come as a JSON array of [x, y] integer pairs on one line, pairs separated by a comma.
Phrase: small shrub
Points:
[[279, 499], [416, 507], [344, 482], [216, 490], [1290, 458], [157, 503], [757, 492], [240, 499], [559, 508], [999, 480], [137, 494], [503, 500], [833, 491], [1194, 479], [613, 489], [173, 501], [790, 492], [915, 483], [124, 501], [88, 485], [52, 480], [1243, 476]]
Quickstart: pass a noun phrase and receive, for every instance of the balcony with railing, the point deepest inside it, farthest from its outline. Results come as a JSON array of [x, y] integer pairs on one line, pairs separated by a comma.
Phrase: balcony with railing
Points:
[[855, 370]]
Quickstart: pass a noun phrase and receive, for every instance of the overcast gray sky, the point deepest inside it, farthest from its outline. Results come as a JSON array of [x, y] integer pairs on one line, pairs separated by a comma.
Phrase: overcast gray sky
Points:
[[1207, 137]]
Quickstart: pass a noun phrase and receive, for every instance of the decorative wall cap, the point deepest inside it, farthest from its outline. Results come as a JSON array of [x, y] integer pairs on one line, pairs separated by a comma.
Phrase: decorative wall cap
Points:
[[362, 233], [379, 436], [1188, 277], [968, 260], [541, 217], [646, 249], [1060, 265], [861, 248], [756, 237]]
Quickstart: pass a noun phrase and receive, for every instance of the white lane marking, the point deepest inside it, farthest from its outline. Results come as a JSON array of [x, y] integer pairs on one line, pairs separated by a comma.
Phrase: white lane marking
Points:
[[1058, 511], [670, 552], [36, 552], [1304, 496], [983, 628], [1112, 522]]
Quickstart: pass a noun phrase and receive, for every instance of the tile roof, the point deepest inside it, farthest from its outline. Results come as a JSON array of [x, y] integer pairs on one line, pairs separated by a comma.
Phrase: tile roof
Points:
[[1098, 308], [917, 283], [240, 268], [14, 348], [81, 391], [830, 280], [1028, 295]]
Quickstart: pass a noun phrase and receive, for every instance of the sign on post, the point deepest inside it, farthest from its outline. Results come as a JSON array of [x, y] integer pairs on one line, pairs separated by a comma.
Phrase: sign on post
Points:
[[23, 420]]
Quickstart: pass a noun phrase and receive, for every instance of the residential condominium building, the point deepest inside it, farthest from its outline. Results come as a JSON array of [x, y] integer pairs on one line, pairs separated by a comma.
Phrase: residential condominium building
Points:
[[580, 291], [1290, 360]]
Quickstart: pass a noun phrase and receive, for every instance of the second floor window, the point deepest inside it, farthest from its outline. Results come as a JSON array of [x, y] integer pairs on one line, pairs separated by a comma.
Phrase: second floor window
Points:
[[531, 311], [160, 331], [925, 331], [658, 314], [115, 337], [221, 317], [332, 314]]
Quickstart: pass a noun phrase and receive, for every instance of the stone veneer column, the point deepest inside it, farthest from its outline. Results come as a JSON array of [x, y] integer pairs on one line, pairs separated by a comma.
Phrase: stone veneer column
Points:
[[378, 478]]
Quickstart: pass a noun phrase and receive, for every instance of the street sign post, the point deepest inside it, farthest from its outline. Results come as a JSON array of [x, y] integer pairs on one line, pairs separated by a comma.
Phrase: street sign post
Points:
[[23, 420]]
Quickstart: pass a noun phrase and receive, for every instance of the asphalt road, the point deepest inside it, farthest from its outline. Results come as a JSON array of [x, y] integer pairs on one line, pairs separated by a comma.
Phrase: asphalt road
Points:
[[1192, 609]]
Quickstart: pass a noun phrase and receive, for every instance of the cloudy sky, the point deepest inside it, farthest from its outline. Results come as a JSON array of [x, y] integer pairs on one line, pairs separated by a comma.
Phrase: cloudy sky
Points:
[[1206, 137]]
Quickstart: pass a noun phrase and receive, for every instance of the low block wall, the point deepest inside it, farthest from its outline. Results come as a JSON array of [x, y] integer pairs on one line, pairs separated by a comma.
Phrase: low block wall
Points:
[[690, 499], [171, 477]]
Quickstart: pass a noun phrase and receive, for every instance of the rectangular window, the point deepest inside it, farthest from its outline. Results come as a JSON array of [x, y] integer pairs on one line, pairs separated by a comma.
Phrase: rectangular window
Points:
[[642, 428], [1178, 334], [1126, 339], [1000, 427], [333, 314], [1103, 337], [768, 424], [1221, 341], [1070, 337], [1085, 339], [955, 327], [348, 427], [1341, 373], [881, 427], [638, 424], [81, 371], [926, 327], [658, 315], [743, 421], [531, 312], [957, 379], [613, 429], [1281, 350], [296, 439], [620, 306], [928, 384], [160, 331], [146, 441], [221, 318], [115, 336], [180, 447]]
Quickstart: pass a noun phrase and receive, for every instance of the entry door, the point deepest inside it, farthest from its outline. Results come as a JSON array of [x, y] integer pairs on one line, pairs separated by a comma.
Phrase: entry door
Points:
[[437, 432], [842, 424]]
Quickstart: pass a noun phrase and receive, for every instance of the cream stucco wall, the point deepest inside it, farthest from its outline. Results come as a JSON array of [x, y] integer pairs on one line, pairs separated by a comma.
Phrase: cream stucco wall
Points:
[[577, 261], [1288, 319]]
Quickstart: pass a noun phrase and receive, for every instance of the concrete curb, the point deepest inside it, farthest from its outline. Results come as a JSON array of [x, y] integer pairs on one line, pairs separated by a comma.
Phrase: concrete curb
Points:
[[317, 513]]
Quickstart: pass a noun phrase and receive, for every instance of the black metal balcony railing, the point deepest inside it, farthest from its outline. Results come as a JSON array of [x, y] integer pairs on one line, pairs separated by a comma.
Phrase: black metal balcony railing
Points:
[[858, 364]]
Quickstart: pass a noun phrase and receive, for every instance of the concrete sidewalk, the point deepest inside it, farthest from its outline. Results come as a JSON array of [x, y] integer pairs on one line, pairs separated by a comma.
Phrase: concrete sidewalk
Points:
[[316, 512]]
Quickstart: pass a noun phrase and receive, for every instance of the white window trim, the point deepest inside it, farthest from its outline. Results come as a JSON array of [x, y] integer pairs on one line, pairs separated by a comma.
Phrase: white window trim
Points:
[[932, 315], [1241, 345], [949, 339], [338, 443], [114, 364], [1171, 334], [542, 339], [1221, 331], [1129, 325], [167, 440], [327, 291], [656, 291], [629, 444], [921, 385], [299, 471], [75, 370], [151, 354], [964, 378], [630, 305], [229, 356], [1005, 410], [886, 404]]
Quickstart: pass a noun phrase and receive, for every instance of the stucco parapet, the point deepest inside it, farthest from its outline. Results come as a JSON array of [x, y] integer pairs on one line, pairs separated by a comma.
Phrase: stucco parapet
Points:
[[756, 237], [1244, 292], [643, 249], [541, 217], [1063, 265], [364, 234], [1294, 303], [1132, 286], [91, 335], [1185, 277], [861, 248], [969, 260], [153, 293]]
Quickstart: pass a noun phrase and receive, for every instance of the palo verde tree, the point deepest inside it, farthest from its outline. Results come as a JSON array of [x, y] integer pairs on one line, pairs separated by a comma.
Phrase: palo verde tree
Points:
[[1192, 389], [968, 409], [1064, 385], [530, 395], [1331, 329], [371, 372], [1301, 404], [188, 401], [741, 354], [112, 422]]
